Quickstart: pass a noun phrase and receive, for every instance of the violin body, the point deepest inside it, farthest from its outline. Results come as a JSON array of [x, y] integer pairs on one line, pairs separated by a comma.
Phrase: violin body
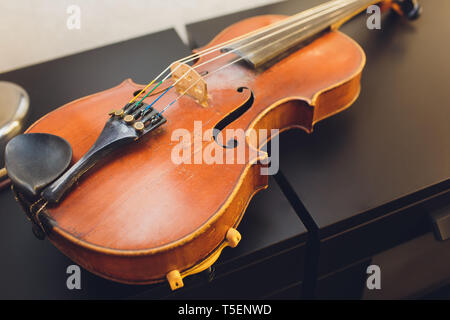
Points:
[[138, 216]]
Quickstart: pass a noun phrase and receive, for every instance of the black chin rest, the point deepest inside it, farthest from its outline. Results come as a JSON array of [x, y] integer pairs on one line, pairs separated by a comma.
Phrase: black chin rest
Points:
[[35, 160]]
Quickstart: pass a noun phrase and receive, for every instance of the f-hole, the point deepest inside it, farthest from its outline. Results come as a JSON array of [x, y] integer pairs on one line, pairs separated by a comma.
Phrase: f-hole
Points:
[[233, 143], [137, 92]]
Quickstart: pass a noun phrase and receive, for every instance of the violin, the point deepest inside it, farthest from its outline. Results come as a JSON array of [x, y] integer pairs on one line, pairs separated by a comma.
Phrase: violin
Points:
[[141, 183]]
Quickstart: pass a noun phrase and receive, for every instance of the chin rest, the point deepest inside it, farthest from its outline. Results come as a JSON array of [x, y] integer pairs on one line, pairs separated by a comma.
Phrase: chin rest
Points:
[[34, 160]]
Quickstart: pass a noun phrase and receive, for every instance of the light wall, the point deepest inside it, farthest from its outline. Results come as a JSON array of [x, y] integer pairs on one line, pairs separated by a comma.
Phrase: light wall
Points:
[[33, 31]]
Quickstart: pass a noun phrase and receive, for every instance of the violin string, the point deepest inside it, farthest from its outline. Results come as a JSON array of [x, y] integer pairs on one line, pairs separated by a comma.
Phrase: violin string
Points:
[[258, 31], [159, 97], [221, 68], [265, 37], [208, 51], [157, 85], [235, 40], [233, 62], [329, 7]]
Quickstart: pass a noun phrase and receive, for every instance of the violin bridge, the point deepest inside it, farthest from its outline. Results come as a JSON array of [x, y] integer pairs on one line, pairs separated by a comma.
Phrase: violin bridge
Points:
[[189, 82]]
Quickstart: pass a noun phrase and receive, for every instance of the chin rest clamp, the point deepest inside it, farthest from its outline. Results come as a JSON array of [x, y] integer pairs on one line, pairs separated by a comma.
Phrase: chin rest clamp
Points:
[[33, 210]]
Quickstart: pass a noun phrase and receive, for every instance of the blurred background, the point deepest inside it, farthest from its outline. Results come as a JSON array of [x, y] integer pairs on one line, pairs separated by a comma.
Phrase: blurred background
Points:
[[37, 30]]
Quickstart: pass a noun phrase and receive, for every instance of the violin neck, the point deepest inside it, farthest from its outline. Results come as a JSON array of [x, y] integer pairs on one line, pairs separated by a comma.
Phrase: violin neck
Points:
[[276, 41]]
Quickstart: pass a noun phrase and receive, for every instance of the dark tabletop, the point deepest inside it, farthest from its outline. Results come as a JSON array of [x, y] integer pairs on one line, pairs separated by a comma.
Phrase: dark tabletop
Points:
[[394, 140], [36, 269]]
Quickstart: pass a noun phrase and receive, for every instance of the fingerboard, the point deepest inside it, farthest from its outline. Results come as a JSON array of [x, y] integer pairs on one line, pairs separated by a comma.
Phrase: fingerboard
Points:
[[280, 39]]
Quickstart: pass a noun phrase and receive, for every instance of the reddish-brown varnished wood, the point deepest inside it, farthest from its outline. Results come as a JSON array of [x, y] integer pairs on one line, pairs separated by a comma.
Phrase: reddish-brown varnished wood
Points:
[[138, 215]]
